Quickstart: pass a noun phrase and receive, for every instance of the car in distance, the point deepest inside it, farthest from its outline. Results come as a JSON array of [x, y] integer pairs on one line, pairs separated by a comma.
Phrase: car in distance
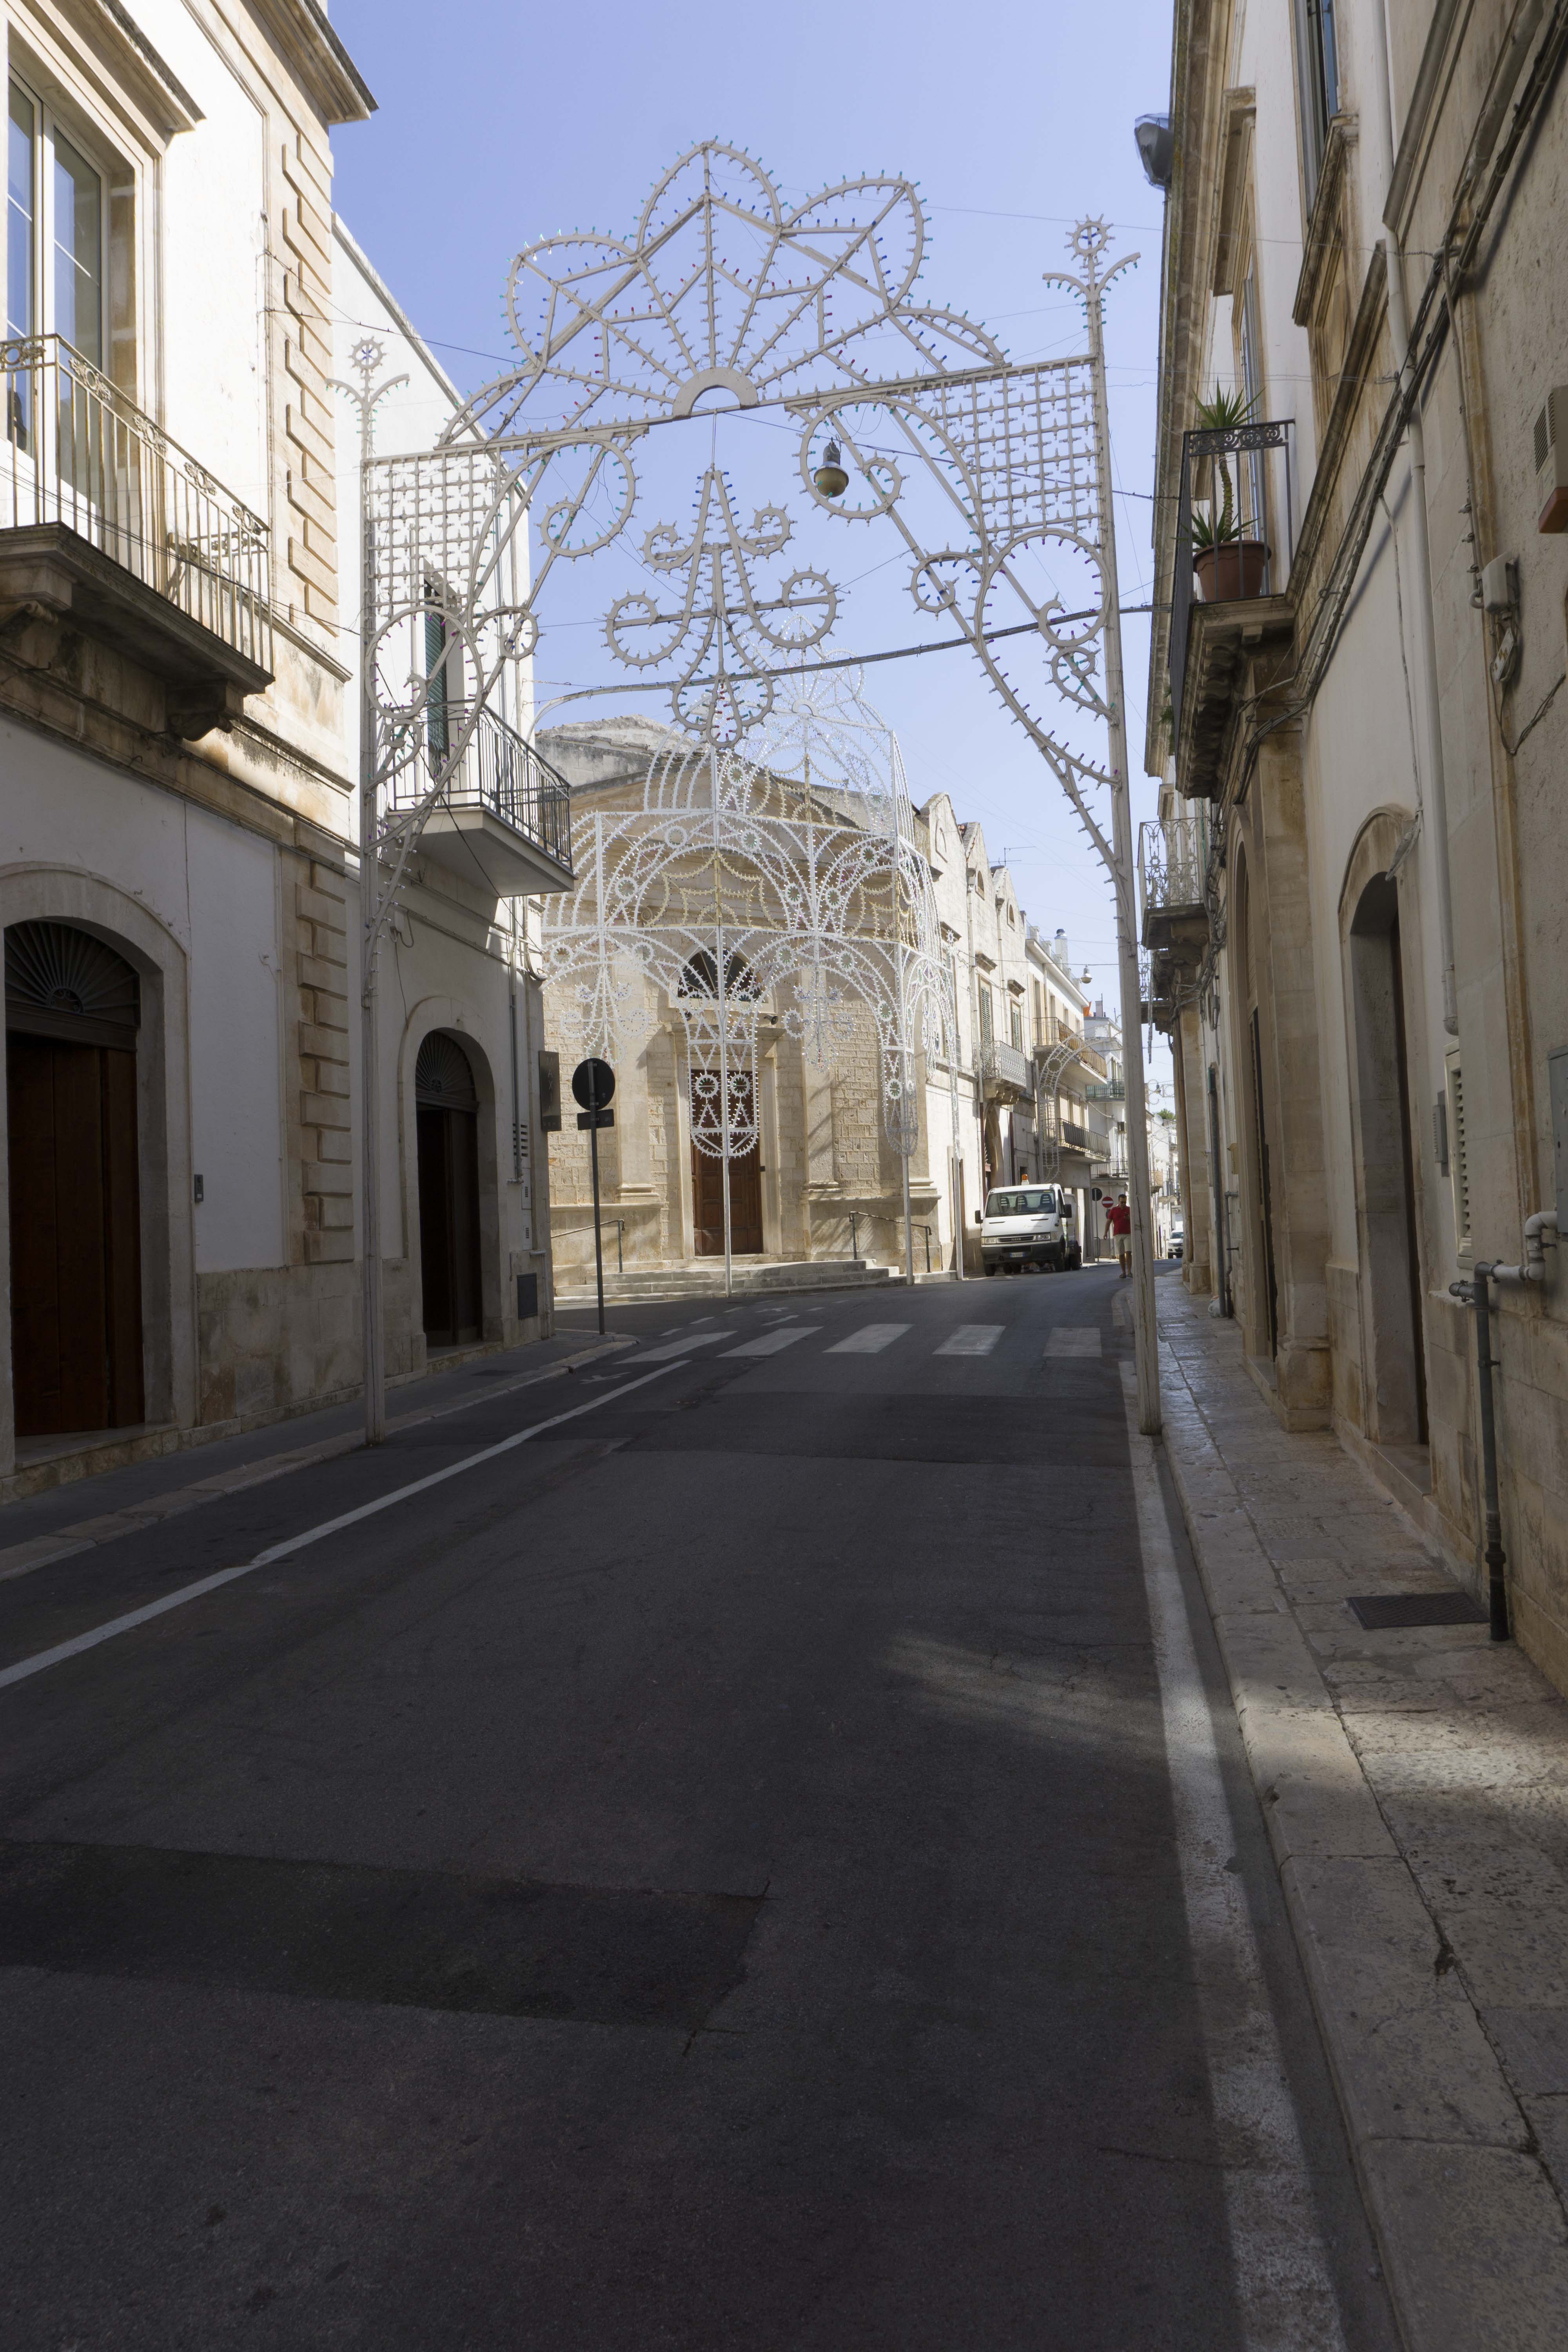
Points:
[[1028, 1226]]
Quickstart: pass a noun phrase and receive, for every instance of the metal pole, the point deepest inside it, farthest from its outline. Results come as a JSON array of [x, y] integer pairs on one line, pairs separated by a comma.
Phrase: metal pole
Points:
[[909, 1229], [598, 1239], [1145, 1333], [1494, 1555], [373, 1339], [723, 1021]]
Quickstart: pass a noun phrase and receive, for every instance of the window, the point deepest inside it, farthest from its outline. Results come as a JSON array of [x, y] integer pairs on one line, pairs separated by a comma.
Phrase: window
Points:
[[1039, 1022], [1318, 69], [987, 1016], [1016, 1023], [55, 232]]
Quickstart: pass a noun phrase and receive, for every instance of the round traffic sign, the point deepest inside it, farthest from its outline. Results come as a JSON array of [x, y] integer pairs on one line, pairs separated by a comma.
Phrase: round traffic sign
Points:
[[594, 1083]]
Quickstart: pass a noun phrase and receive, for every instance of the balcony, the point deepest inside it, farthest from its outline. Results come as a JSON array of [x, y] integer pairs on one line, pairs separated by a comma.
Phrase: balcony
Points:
[[112, 532], [1108, 1090], [1244, 613], [504, 821], [1005, 1072]]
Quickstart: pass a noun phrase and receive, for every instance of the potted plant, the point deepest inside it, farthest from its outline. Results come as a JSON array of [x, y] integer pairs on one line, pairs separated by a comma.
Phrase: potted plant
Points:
[[1228, 561]]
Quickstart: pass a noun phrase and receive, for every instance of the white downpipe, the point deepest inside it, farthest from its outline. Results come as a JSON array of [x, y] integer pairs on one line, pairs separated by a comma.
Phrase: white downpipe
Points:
[[1431, 751]]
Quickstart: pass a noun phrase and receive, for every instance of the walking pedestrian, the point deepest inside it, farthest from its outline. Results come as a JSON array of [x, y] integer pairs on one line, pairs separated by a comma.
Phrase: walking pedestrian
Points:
[[1119, 1223]]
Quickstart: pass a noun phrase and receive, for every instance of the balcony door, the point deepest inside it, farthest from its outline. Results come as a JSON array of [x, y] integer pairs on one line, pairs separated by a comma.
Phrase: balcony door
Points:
[[447, 1119], [71, 1016]]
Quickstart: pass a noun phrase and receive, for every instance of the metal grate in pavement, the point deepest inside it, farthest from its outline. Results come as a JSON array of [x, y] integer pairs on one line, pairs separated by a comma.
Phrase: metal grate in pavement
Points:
[[1379, 1612]]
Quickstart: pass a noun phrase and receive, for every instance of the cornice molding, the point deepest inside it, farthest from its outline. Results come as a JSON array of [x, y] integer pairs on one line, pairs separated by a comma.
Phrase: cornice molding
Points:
[[306, 42], [1325, 228], [111, 45], [1238, 115]]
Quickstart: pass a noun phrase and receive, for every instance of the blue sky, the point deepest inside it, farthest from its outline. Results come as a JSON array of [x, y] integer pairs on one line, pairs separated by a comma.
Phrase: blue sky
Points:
[[498, 125]]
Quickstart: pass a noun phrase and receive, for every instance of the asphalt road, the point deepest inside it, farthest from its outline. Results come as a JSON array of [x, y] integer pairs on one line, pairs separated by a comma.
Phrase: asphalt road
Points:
[[730, 1870]]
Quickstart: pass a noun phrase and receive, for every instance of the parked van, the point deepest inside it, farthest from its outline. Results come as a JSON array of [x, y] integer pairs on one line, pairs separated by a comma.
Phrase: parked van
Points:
[[1028, 1224]]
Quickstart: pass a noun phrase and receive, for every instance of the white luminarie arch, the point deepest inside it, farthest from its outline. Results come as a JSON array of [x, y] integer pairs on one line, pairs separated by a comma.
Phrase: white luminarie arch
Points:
[[992, 476]]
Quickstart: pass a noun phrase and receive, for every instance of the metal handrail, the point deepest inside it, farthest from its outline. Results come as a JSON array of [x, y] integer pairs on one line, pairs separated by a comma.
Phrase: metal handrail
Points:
[[79, 453], [1238, 440], [1172, 860], [499, 772], [1002, 1063]]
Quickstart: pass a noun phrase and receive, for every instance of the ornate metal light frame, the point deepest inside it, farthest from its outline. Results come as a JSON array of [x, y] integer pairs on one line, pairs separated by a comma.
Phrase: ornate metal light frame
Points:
[[725, 291]]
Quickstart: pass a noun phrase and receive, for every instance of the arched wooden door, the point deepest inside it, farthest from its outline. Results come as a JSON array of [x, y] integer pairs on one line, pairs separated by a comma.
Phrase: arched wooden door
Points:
[[72, 1008], [445, 1111]]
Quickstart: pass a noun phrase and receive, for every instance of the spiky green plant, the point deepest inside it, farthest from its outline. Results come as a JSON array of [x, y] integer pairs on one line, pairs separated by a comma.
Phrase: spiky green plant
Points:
[[1222, 413]]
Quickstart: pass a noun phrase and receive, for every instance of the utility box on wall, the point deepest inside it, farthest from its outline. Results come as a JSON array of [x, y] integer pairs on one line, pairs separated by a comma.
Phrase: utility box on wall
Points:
[[549, 1092]]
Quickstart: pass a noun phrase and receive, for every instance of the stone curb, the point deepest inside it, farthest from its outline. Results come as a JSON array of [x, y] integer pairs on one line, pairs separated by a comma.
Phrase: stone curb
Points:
[[1468, 2229], [86, 1535]]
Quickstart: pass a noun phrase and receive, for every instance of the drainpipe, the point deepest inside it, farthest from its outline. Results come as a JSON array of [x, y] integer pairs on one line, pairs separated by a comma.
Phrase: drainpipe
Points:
[[1476, 1293], [1425, 633]]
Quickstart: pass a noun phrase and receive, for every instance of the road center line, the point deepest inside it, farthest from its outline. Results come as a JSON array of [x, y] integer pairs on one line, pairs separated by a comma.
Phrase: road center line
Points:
[[1284, 2294], [25, 1667]]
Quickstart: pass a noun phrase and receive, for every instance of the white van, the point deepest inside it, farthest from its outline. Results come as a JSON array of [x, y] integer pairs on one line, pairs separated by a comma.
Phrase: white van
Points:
[[1028, 1224]]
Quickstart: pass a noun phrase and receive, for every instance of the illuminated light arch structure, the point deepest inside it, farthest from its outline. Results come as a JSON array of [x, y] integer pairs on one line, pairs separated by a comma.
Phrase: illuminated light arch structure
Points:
[[991, 475]]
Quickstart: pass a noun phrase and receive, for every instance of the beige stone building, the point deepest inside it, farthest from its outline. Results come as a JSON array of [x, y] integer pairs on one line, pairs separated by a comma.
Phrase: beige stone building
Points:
[[178, 627], [1352, 902], [821, 1181]]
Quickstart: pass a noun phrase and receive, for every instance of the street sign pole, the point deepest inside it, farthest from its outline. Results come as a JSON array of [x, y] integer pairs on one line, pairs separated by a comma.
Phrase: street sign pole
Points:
[[598, 1236], [594, 1086]]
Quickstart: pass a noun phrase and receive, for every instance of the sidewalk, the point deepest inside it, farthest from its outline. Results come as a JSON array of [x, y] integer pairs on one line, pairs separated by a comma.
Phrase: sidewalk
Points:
[[1414, 1784]]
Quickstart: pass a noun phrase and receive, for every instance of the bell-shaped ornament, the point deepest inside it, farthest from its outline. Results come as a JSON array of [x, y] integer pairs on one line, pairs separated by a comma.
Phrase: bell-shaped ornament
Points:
[[830, 478]]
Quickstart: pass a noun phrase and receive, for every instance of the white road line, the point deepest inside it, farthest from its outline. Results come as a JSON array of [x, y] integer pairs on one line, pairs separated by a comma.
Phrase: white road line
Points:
[[25, 1667], [1283, 2290], [772, 1342], [870, 1340], [970, 1340], [1074, 1339], [680, 1346]]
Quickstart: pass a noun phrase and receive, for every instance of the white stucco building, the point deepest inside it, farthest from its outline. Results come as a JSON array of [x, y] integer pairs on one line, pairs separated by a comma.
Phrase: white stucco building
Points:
[[178, 577]]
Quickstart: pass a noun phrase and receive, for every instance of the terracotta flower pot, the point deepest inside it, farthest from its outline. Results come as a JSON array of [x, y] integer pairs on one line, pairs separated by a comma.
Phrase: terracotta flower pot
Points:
[[1233, 570]]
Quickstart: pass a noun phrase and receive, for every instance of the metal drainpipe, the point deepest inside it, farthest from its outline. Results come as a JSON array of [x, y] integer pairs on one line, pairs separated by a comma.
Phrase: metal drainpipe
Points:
[[1425, 635], [1477, 1292]]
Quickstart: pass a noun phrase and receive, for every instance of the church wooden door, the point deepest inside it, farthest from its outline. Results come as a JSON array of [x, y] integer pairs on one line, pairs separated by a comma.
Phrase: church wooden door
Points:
[[745, 1193]]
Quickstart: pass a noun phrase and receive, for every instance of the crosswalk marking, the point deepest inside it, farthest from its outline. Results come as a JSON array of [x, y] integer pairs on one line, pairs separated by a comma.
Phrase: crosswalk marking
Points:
[[870, 1340], [970, 1340], [680, 1346], [773, 1341], [1074, 1339]]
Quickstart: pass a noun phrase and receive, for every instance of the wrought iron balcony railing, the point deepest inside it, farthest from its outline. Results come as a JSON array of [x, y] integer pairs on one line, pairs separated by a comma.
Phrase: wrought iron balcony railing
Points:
[[1006, 1069], [79, 453], [1173, 861], [1110, 1090], [499, 774], [1243, 451]]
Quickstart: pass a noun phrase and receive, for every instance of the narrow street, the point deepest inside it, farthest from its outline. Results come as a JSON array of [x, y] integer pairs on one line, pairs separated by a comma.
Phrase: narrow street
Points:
[[765, 1861]]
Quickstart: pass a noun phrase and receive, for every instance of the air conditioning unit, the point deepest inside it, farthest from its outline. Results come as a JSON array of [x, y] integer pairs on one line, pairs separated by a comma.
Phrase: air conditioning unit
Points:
[[1551, 461]]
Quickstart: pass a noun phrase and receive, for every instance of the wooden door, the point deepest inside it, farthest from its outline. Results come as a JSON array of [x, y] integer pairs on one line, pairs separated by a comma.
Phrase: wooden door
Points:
[[745, 1193], [76, 1236], [448, 1160]]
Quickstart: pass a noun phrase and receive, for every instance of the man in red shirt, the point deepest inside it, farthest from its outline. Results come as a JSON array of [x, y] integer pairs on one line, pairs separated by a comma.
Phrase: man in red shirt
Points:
[[1119, 1222]]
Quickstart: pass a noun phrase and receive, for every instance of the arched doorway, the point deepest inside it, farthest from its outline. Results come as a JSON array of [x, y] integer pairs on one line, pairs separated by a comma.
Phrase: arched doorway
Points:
[[1385, 1168], [446, 1110], [72, 1010]]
